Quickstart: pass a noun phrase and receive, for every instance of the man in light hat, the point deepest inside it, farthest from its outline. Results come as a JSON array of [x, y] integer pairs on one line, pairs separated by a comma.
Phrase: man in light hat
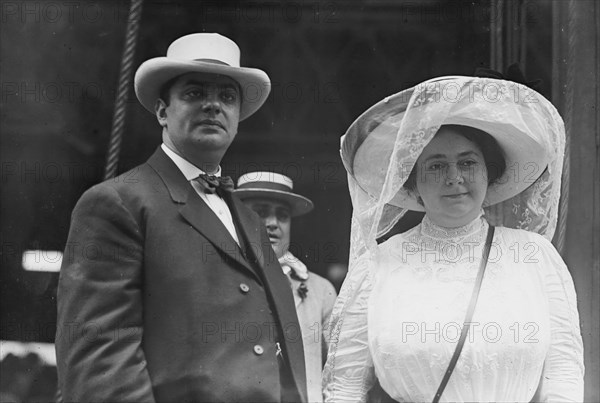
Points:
[[271, 196], [169, 289]]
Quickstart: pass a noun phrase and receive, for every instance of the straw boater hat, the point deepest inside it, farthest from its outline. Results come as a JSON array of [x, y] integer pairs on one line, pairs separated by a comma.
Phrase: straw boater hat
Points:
[[519, 126], [271, 185], [202, 53]]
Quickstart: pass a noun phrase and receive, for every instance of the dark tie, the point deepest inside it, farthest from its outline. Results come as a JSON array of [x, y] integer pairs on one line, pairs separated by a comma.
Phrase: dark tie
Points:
[[215, 184]]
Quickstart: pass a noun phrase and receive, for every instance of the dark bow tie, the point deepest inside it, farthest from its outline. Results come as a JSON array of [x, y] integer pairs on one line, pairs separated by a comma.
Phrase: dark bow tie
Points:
[[214, 184]]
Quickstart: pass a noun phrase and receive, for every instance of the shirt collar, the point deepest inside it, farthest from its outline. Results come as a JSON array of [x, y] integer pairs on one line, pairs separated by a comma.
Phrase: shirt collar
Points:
[[189, 170], [432, 230]]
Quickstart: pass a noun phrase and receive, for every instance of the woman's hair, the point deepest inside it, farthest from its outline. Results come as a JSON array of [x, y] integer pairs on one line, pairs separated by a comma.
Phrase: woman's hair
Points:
[[493, 155]]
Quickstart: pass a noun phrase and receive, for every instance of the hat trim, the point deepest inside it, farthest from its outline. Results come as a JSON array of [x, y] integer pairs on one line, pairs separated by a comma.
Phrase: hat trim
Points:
[[299, 205], [265, 185], [497, 192]]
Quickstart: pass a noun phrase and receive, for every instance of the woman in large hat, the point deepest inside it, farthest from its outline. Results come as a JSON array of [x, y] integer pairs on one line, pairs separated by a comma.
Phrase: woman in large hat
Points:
[[474, 303]]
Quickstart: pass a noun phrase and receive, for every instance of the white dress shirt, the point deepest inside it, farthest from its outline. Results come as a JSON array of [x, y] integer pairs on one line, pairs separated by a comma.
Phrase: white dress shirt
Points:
[[212, 200]]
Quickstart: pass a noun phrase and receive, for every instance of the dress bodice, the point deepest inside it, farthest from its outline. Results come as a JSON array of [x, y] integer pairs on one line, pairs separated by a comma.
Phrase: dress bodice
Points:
[[419, 287]]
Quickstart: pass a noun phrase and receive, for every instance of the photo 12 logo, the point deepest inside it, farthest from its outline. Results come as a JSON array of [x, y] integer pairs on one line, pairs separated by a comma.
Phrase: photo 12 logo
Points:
[[489, 332]]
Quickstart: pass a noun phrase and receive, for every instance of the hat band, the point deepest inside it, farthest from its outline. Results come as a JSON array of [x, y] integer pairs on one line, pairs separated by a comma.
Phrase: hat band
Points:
[[265, 186], [213, 61]]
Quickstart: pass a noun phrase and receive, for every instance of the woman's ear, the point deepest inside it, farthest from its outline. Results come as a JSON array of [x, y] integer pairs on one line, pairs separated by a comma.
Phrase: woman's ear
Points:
[[415, 193], [160, 110], [485, 203]]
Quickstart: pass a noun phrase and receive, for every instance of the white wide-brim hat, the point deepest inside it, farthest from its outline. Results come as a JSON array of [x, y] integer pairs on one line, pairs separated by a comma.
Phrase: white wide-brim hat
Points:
[[401, 125], [271, 185], [202, 53]]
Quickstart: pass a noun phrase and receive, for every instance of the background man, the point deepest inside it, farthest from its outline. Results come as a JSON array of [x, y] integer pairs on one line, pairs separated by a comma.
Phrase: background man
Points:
[[181, 298], [270, 196]]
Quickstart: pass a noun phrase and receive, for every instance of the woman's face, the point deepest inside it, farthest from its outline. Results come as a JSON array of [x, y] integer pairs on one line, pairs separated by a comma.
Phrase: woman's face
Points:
[[451, 179]]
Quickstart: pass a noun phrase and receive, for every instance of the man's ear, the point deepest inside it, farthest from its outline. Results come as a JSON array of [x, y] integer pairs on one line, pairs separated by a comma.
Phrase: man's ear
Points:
[[160, 110]]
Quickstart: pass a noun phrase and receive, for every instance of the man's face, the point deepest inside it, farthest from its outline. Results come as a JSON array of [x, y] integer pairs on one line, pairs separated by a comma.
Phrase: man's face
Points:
[[202, 114], [277, 217]]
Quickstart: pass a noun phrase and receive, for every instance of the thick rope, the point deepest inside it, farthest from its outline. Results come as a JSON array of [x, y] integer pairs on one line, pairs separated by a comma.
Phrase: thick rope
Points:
[[568, 115], [114, 147]]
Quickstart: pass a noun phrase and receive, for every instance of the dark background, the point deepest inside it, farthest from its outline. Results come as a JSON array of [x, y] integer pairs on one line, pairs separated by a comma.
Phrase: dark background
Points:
[[328, 62]]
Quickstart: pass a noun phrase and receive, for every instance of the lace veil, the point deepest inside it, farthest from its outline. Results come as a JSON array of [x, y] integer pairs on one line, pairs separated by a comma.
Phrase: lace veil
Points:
[[381, 147]]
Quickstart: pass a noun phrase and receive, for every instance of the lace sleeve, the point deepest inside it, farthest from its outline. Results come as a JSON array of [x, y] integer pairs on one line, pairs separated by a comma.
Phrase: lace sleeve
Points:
[[349, 373], [562, 377]]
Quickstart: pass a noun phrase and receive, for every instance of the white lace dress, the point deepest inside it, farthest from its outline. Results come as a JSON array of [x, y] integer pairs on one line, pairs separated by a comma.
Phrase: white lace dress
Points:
[[404, 322]]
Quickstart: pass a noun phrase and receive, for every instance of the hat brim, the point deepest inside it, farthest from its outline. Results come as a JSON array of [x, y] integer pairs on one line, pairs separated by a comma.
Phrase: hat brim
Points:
[[368, 144], [154, 73], [299, 205]]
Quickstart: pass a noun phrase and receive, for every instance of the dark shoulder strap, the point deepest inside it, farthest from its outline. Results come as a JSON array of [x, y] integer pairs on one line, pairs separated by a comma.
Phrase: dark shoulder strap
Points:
[[470, 310]]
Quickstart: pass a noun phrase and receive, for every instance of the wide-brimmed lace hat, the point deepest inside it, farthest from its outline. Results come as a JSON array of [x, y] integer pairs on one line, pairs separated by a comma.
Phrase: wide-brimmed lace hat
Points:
[[517, 117], [202, 53], [380, 149], [271, 185]]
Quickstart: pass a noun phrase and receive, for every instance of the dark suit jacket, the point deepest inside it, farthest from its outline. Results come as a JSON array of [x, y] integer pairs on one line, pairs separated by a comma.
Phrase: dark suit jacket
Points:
[[156, 301]]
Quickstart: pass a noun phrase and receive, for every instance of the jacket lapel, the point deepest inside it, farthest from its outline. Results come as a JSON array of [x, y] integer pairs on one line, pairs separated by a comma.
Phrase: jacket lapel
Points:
[[294, 285], [204, 220], [249, 226], [276, 282], [194, 210]]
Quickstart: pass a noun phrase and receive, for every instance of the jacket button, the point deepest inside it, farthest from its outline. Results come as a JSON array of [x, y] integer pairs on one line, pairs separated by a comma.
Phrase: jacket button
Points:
[[258, 349], [244, 288]]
